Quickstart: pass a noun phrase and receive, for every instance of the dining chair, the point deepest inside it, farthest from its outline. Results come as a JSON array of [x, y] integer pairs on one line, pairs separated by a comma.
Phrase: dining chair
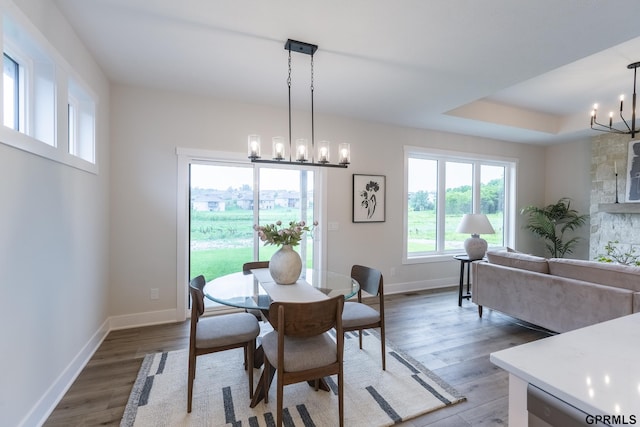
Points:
[[357, 316], [218, 333], [246, 269], [248, 266], [300, 347]]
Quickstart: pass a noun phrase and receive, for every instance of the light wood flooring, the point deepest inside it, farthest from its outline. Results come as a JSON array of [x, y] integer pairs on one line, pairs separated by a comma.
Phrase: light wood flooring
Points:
[[429, 326]]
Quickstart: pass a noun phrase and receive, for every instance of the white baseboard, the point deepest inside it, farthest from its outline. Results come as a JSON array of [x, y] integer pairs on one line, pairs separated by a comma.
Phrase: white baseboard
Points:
[[142, 319], [420, 285], [47, 403]]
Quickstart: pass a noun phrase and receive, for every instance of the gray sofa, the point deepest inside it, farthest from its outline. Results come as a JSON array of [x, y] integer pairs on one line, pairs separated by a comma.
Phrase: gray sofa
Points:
[[557, 294]]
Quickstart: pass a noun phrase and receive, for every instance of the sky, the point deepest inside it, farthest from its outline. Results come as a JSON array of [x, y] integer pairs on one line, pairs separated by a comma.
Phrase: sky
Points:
[[223, 177], [423, 175], [422, 178]]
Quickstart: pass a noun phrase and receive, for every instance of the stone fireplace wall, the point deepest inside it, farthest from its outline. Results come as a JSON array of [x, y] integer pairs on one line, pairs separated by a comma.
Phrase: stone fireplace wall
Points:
[[610, 221]]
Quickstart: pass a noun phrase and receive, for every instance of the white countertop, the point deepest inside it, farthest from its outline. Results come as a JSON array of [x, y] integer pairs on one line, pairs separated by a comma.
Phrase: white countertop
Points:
[[596, 369]]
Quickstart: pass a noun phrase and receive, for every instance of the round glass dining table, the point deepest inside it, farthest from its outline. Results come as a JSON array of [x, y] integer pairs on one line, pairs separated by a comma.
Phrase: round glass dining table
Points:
[[256, 289]]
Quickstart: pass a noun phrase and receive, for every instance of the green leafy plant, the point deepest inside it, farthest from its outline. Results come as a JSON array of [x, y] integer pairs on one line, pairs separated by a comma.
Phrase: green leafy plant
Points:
[[277, 234], [615, 254], [551, 223]]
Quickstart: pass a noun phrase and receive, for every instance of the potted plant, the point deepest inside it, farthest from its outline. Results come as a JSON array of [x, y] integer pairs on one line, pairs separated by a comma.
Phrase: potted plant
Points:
[[285, 264], [552, 222]]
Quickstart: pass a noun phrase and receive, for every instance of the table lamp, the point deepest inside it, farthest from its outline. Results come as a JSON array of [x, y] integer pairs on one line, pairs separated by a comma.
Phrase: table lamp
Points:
[[475, 224]]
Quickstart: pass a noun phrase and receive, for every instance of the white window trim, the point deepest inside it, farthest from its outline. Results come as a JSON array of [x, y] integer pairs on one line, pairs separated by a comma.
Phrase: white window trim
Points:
[[511, 166], [59, 151]]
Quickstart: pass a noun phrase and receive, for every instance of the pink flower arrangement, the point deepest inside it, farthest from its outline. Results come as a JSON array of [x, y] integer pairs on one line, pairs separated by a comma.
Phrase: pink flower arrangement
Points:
[[277, 234]]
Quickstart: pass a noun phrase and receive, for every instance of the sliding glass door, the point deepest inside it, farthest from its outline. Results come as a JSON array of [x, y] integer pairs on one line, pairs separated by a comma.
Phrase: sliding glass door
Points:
[[227, 199]]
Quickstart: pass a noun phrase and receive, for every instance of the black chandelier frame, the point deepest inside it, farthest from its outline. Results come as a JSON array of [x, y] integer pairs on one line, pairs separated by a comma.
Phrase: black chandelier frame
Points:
[[630, 129], [307, 49]]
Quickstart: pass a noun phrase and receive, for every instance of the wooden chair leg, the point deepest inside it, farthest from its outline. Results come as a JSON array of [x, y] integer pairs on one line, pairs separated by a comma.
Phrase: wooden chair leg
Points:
[[383, 349], [340, 398], [267, 384], [279, 399], [191, 376], [479, 311], [360, 337], [250, 349], [245, 358]]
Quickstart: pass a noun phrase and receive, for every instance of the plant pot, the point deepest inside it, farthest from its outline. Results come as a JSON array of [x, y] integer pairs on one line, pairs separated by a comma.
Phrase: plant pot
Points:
[[285, 266]]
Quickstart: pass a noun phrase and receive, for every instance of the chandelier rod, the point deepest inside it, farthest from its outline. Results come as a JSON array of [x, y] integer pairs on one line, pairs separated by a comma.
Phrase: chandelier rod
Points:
[[313, 138], [633, 107], [289, 88]]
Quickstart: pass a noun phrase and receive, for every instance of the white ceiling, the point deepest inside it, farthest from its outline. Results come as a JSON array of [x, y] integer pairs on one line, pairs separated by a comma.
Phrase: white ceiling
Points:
[[525, 71]]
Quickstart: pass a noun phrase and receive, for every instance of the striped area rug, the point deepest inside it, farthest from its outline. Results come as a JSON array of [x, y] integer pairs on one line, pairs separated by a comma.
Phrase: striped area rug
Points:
[[373, 397]]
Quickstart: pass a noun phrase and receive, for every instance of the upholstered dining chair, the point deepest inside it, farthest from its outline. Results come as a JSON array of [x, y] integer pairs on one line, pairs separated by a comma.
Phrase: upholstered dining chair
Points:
[[301, 349], [246, 269], [218, 333], [357, 316]]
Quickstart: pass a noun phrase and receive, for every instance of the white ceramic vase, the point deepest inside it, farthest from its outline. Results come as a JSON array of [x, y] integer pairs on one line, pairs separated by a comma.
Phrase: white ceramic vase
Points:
[[285, 266]]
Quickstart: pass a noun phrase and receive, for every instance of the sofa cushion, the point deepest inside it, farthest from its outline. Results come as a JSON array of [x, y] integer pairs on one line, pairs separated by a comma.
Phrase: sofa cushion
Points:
[[519, 260], [620, 276]]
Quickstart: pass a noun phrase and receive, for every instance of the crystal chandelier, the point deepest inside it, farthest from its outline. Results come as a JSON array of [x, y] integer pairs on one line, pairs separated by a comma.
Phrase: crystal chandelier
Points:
[[303, 154]]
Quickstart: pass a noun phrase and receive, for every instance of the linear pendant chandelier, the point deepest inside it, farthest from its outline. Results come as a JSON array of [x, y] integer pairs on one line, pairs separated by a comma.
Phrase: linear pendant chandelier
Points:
[[630, 130], [303, 153]]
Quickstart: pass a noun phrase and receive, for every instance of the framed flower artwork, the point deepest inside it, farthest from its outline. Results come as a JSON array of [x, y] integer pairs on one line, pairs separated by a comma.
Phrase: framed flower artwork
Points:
[[369, 193]]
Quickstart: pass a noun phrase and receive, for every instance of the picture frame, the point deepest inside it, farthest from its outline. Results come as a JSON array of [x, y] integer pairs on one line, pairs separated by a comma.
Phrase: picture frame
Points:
[[369, 198], [632, 193]]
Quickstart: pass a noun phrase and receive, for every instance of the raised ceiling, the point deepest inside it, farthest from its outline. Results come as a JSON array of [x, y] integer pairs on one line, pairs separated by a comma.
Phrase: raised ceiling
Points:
[[524, 71]]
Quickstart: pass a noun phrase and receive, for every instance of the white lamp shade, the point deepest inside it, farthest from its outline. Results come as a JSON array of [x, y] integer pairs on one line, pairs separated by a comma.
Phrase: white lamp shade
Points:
[[475, 224]]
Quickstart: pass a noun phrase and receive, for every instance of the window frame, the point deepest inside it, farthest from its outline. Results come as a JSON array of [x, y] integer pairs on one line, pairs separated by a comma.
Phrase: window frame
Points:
[[43, 110], [477, 160]]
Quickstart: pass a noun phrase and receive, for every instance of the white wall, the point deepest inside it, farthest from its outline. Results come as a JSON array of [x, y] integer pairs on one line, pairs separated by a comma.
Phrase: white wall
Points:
[[147, 127], [567, 174], [53, 254], [79, 250]]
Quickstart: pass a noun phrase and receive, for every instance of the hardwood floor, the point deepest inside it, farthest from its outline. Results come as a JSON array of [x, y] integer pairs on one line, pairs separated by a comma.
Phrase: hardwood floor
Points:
[[429, 326]]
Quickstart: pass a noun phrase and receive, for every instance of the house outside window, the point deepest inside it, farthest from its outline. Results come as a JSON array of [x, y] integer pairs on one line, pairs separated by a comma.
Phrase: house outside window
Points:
[[442, 186]]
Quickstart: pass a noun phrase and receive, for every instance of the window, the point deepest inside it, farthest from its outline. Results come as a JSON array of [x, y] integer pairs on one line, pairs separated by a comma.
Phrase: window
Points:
[[46, 109], [81, 122], [33, 95], [443, 186], [11, 90]]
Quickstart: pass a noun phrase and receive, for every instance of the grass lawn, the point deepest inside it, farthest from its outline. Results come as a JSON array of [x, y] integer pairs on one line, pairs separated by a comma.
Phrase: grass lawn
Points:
[[230, 236]]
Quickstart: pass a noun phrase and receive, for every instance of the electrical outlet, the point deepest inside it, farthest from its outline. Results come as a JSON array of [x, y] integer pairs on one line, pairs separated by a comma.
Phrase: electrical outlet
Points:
[[154, 293]]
